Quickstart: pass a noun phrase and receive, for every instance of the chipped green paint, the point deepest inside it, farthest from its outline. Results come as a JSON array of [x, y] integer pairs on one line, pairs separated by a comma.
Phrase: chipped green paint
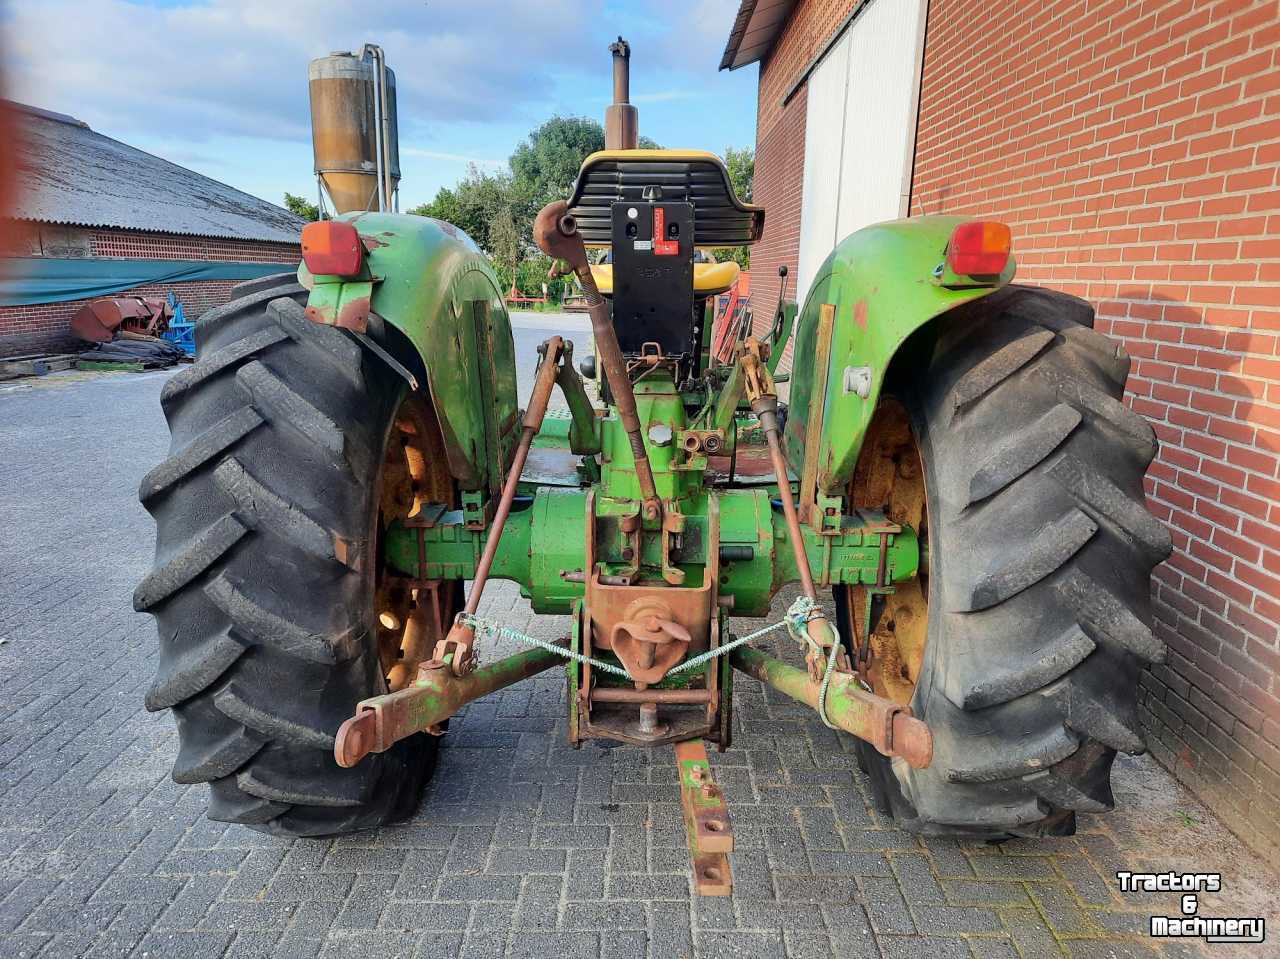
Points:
[[544, 538], [885, 282], [431, 282]]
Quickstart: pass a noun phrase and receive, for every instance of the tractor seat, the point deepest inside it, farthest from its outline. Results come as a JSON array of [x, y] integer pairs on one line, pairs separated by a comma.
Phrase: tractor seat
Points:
[[709, 279], [686, 176]]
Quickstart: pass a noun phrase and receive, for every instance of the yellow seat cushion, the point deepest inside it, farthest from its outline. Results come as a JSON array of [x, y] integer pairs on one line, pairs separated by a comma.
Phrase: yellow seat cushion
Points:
[[709, 279]]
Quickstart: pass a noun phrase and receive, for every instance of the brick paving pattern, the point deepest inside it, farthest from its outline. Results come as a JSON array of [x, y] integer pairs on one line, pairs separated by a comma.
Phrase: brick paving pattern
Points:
[[523, 846]]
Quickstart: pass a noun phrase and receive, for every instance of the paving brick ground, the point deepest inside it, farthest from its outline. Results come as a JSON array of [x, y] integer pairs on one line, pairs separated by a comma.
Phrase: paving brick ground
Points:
[[523, 846]]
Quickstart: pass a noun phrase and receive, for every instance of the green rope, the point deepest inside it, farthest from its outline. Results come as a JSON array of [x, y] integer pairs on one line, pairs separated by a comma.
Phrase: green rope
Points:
[[798, 614], [482, 626], [801, 611]]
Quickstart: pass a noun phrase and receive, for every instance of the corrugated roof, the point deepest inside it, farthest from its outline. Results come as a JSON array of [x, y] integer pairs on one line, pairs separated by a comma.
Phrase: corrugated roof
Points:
[[72, 175], [754, 31]]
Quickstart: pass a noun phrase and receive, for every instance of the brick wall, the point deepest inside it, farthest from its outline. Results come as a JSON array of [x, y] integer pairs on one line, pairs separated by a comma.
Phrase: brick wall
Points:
[[780, 153], [43, 327], [780, 148], [1134, 150]]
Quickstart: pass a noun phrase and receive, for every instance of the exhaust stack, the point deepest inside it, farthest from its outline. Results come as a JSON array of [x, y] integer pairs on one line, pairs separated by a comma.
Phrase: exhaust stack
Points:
[[621, 119]]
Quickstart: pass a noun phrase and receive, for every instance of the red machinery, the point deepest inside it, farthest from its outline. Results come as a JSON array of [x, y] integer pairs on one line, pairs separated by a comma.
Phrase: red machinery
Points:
[[98, 321]]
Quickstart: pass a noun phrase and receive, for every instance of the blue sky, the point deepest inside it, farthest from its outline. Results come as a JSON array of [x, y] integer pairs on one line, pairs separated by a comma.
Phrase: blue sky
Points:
[[220, 85]]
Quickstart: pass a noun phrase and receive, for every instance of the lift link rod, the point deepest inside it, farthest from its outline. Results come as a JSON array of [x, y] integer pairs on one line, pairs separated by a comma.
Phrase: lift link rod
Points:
[[449, 680], [458, 643], [764, 404], [556, 233], [380, 722], [889, 727]]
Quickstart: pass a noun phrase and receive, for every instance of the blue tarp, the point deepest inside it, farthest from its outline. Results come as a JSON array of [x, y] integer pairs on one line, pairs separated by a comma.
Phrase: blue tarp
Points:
[[38, 279]]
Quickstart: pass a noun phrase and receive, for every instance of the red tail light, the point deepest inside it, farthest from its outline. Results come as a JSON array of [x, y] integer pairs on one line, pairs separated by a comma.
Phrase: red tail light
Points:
[[979, 248], [332, 248]]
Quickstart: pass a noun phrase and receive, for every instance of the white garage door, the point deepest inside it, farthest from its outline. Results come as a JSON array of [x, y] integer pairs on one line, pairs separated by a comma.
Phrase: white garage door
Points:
[[860, 129]]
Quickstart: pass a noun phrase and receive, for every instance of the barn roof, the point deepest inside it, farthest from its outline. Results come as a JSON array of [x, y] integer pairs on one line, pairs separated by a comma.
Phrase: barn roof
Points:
[[72, 175], [754, 30]]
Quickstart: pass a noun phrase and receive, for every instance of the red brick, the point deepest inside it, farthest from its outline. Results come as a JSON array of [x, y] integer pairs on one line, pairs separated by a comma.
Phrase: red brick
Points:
[[1237, 547], [47, 325], [1061, 120]]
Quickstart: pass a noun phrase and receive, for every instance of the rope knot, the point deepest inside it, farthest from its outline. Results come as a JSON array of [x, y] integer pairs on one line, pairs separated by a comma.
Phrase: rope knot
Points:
[[798, 614]]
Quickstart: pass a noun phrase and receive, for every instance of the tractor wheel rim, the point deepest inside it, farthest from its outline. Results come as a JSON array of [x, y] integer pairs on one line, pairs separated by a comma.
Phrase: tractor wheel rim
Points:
[[410, 616], [890, 476]]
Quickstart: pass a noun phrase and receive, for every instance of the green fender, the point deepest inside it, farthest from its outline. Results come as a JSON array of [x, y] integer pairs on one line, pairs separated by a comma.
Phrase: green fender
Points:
[[429, 280], [884, 282]]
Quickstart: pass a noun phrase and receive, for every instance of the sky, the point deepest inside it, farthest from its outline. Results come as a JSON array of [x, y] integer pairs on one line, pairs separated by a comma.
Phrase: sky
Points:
[[220, 86]]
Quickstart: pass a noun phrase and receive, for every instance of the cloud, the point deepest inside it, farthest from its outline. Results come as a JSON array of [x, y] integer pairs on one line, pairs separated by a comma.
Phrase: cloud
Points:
[[454, 157], [685, 36], [238, 67]]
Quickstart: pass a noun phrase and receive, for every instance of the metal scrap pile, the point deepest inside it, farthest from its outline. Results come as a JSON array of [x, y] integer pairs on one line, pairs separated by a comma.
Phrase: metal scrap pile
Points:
[[147, 353], [127, 330]]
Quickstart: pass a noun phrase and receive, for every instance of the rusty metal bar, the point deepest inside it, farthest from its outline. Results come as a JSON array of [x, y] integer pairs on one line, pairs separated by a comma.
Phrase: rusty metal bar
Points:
[[533, 417], [769, 423], [556, 233], [617, 694], [435, 696], [461, 637], [764, 403], [706, 820], [890, 728]]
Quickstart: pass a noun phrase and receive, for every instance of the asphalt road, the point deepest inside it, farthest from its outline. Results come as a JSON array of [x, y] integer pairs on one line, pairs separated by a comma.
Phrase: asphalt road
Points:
[[531, 329], [522, 846]]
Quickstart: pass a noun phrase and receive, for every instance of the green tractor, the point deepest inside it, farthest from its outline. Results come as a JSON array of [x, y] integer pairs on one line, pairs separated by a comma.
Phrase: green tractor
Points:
[[953, 482]]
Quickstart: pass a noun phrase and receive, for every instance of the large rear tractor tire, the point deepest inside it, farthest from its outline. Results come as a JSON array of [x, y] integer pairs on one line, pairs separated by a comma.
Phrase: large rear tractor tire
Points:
[[292, 448], [1003, 439]]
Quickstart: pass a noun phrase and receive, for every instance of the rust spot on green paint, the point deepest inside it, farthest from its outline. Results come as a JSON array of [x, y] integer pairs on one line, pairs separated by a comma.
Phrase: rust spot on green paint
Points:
[[860, 313]]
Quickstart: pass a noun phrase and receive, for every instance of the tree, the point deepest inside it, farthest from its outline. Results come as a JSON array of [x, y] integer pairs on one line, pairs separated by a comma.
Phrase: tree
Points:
[[504, 240], [741, 165], [301, 206], [543, 168], [473, 204], [545, 165]]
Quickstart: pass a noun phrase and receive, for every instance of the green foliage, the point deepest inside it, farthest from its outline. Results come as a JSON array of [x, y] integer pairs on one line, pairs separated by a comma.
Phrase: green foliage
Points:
[[301, 206], [741, 165], [530, 274], [472, 205], [504, 241], [497, 209], [545, 164]]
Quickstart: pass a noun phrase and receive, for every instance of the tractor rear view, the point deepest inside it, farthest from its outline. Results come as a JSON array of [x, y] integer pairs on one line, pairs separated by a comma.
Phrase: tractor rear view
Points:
[[953, 482]]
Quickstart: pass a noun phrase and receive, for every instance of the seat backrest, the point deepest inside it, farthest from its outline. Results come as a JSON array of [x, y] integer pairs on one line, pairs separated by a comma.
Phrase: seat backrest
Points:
[[688, 176]]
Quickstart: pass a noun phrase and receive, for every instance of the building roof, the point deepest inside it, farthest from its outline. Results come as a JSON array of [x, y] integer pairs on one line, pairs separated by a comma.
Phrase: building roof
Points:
[[754, 30], [71, 175]]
